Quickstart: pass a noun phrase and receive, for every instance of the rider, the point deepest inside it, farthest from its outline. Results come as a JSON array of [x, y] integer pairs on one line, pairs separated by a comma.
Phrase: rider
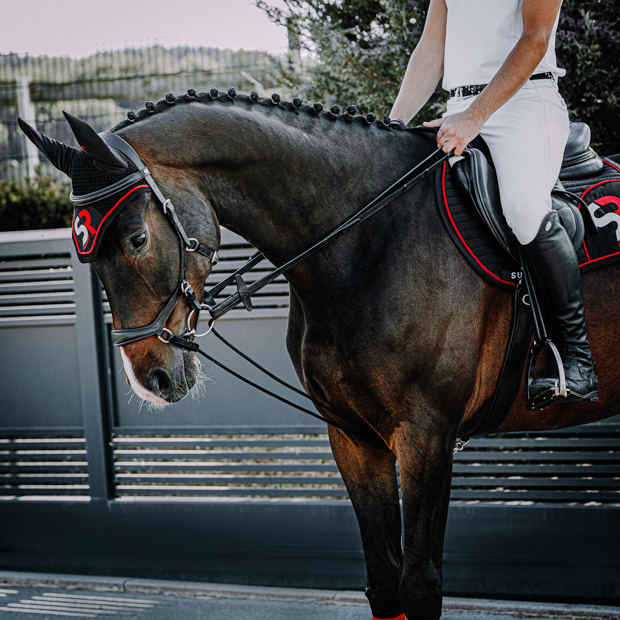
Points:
[[498, 63]]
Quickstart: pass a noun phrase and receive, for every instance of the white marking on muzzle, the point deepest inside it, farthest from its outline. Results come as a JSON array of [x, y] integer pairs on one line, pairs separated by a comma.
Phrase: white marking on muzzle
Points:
[[135, 386]]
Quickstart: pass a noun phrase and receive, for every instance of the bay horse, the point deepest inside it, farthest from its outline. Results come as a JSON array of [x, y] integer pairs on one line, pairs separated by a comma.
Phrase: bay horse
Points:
[[388, 325]]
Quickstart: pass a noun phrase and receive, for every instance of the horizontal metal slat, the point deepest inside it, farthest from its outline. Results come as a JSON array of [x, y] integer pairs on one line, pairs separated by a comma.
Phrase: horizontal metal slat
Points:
[[42, 455], [58, 467], [219, 454], [36, 287], [44, 490], [558, 456], [222, 479], [228, 491], [547, 443], [63, 273], [605, 427], [546, 470], [48, 261], [37, 298], [537, 483], [216, 442], [45, 479], [34, 443], [536, 496], [211, 466], [38, 310]]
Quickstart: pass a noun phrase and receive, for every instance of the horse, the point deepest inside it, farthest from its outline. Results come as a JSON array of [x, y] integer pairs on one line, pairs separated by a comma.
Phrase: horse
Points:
[[388, 325]]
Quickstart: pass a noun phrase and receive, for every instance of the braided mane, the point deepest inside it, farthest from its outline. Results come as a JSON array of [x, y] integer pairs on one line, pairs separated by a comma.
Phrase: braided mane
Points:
[[296, 107]]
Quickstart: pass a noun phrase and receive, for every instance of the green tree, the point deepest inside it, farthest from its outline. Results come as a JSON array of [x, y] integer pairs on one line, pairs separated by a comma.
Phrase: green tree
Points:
[[35, 204], [588, 47], [360, 50]]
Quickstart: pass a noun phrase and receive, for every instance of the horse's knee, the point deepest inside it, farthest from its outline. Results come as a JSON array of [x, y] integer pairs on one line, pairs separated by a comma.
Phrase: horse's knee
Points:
[[421, 593]]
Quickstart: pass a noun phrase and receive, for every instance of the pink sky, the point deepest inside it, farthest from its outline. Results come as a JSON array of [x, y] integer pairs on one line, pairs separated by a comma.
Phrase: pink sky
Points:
[[79, 28]]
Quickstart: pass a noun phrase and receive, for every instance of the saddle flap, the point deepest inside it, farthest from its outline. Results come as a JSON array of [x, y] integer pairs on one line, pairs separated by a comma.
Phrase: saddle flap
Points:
[[478, 179]]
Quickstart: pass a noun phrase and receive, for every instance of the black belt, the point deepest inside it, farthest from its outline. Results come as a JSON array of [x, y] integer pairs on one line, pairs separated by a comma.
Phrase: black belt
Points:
[[468, 91]]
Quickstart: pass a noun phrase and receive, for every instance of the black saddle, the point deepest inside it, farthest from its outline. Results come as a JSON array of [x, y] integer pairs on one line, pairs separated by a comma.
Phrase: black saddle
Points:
[[475, 175]]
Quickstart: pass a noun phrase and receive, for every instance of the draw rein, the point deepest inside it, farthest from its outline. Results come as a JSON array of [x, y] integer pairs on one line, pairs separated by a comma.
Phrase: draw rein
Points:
[[122, 337]]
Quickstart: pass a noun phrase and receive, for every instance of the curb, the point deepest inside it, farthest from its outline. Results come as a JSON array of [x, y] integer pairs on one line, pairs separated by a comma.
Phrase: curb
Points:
[[517, 609]]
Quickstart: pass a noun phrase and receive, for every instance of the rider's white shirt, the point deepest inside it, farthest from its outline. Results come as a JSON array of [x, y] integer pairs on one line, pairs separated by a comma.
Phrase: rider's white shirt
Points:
[[479, 36]]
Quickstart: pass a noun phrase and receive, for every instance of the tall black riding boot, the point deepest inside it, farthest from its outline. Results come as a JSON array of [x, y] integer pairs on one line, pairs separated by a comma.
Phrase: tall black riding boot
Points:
[[553, 264]]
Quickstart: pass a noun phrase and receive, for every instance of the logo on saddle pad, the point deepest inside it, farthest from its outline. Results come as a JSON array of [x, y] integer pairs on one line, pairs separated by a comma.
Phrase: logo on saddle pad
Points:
[[603, 217]]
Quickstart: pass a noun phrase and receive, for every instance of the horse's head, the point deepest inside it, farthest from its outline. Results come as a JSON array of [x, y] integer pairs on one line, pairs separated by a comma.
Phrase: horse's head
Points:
[[122, 227]]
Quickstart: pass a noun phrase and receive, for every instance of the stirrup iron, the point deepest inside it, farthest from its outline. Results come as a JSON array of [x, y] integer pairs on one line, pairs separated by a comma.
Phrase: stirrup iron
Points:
[[541, 340]]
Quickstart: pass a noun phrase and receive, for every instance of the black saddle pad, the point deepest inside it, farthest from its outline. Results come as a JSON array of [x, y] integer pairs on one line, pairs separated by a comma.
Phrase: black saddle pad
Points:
[[601, 245]]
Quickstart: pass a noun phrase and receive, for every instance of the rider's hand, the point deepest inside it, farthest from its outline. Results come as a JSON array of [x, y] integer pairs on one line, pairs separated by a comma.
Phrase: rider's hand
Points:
[[456, 131]]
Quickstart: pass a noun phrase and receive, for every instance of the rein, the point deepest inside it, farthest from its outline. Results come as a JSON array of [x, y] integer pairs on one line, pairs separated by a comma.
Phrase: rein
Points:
[[122, 337], [245, 292]]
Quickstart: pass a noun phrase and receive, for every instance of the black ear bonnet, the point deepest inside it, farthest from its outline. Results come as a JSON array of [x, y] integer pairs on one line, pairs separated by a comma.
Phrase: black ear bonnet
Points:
[[91, 221], [93, 168]]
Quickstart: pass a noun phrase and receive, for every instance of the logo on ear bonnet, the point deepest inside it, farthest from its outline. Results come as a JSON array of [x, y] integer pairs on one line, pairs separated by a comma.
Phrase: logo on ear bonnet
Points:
[[82, 229]]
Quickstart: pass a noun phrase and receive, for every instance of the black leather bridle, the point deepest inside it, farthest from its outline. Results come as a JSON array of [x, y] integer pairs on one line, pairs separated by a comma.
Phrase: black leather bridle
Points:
[[122, 337]]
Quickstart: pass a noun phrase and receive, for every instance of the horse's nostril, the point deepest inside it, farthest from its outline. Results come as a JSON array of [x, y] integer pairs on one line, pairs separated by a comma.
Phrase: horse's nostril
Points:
[[159, 382]]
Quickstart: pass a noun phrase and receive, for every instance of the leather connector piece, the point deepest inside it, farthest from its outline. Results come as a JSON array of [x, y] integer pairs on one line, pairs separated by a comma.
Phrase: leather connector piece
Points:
[[244, 293], [184, 343]]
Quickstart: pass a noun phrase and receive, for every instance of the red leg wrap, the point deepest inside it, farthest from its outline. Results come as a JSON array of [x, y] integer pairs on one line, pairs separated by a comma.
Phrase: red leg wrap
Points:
[[401, 617]]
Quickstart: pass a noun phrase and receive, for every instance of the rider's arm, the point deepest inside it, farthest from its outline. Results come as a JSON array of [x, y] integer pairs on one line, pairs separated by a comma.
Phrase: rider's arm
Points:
[[458, 130], [425, 65], [538, 20]]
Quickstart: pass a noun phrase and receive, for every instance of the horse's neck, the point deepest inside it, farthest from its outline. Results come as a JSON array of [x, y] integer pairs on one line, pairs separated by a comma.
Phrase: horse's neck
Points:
[[280, 180], [298, 178]]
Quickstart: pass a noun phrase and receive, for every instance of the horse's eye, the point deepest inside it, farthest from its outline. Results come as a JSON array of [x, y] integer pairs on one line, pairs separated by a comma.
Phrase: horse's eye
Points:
[[138, 240]]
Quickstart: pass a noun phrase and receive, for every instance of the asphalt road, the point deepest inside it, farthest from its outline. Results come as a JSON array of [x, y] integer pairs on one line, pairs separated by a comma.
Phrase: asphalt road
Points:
[[46, 596]]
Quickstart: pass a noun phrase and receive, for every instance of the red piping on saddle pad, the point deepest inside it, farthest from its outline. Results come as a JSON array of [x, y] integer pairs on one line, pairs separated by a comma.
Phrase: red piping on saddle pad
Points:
[[590, 260], [401, 617], [458, 232], [92, 247]]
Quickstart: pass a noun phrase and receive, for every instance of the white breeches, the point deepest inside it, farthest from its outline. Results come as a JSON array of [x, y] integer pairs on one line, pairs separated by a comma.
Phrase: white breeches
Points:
[[526, 137]]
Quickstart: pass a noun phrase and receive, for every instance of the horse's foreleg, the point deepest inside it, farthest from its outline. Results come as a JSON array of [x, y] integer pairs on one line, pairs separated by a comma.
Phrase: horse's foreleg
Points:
[[369, 474], [425, 461]]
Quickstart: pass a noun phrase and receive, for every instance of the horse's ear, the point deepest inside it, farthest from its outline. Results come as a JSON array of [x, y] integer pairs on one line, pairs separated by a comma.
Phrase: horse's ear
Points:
[[106, 158], [61, 155]]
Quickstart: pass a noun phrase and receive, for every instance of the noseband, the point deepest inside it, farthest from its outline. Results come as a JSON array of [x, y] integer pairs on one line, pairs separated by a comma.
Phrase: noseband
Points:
[[122, 337]]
